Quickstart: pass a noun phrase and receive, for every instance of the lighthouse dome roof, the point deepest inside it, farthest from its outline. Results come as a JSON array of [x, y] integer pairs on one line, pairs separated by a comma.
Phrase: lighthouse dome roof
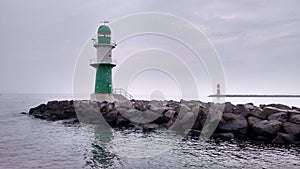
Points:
[[103, 29]]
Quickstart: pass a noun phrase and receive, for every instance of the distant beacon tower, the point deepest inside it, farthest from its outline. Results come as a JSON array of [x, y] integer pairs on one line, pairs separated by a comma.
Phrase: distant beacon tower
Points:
[[103, 62], [218, 90]]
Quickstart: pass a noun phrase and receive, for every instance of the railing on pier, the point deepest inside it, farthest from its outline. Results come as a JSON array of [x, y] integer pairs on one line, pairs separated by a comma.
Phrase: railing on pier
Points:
[[122, 92]]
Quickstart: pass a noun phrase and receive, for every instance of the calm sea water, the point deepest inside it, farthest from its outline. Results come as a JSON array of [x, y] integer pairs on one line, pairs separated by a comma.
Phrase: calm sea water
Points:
[[32, 143]]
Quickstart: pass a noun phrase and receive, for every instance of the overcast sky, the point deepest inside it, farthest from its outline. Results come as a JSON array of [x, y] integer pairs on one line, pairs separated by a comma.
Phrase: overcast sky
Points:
[[258, 41]]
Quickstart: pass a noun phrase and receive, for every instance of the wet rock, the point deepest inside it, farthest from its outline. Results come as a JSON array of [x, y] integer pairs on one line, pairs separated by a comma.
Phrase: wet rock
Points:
[[39, 116], [291, 128], [224, 136], [281, 116], [40, 108], [266, 127], [252, 120], [53, 105], [295, 119], [71, 121], [149, 127], [233, 123], [192, 132], [110, 116], [122, 121], [283, 138]]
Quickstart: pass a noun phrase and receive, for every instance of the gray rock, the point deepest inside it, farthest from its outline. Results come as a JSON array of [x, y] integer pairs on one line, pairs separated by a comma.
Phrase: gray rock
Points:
[[266, 127], [233, 122], [71, 121], [281, 116], [183, 109], [40, 108], [122, 121], [283, 138], [39, 116], [279, 106], [188, 117], [271, 110], [111, 116], [157, 109], [259, 113], [170, 114], [250, 107], [291, 128], [291, 113], [54, 105], [150, 126], [240, 109], [224, 136], [295, 119], [109, 107], [228, 107], [252, 120]]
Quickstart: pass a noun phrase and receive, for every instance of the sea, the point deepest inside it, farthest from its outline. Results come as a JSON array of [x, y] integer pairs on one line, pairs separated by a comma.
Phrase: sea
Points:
[[28, 143]]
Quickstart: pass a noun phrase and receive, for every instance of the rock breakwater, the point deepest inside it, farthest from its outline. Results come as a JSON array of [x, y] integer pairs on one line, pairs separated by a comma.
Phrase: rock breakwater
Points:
[[273, 123]]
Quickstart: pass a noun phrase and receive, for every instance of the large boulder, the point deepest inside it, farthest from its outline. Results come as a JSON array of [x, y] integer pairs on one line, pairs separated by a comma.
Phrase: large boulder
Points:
[[201, 118], [110, 116], [122, 121], [281, 116], [233, 123], [266, 127], [252, 120], [170, 114], [259, 113], [228, 107], [291, 128], [279, 106], [224, 136], [53, 105], [291, 113], [39, 109], [295, 119], [271, 110], [283, 138], [241, 110]]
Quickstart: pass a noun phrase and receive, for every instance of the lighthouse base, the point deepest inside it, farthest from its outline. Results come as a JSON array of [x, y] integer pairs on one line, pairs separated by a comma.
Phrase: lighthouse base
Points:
[[110, 97]]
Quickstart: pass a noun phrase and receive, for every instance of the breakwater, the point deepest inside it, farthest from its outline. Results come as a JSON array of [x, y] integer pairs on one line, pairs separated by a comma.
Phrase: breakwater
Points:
[[272, 123]]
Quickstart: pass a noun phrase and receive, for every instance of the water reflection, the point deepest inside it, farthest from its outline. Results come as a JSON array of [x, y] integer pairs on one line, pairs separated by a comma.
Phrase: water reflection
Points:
[[101, 157]]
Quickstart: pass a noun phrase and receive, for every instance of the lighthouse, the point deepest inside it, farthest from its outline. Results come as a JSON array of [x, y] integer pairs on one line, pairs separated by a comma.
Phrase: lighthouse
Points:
[[103, 63]]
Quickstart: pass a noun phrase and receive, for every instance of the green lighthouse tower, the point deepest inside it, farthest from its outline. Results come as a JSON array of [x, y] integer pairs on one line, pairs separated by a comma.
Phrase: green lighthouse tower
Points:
[[103, 62]]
